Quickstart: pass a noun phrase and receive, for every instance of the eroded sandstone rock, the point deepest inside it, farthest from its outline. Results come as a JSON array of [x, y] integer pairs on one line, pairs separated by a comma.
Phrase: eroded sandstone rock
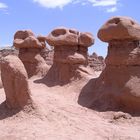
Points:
[[96, 62], [119, 28], [70, 53], [62, 36], [4, 52], [30, 47], [15, 82], [118, 87]]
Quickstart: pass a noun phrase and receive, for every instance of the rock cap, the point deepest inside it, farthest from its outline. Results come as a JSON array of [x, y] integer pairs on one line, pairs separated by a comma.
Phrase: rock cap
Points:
[[63, 36], [27, 39], [23, 34], [119, 28], [86, 39], [41, 38]]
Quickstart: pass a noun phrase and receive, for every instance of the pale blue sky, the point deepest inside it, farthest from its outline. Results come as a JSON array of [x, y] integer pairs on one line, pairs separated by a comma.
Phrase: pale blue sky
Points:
[[41, 16]]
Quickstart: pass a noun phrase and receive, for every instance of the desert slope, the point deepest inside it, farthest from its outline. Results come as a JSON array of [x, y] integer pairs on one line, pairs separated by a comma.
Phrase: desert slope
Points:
[[59, 116]]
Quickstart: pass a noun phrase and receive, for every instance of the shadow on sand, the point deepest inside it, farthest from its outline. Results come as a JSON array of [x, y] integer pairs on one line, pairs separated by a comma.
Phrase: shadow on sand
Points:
[[5, 112], [90, 99], [49, 83], [51, 79]]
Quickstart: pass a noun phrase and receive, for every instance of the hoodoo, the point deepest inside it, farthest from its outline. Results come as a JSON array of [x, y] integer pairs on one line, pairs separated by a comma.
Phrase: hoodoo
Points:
[[118, 86], [30, 48], [70, 54]]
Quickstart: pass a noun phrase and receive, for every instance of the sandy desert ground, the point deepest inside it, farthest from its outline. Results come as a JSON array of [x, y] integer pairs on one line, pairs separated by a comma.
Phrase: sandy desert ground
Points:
[[59, 116]]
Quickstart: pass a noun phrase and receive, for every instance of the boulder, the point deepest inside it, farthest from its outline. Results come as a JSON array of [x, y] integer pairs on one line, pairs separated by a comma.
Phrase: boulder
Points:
[[15, 82]]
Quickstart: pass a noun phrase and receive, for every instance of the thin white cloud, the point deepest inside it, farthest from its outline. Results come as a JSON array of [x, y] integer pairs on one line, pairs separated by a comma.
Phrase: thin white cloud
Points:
[[111, 10], [3, 5], [53, 3], [103, 2], [109, 5], [84, 3]]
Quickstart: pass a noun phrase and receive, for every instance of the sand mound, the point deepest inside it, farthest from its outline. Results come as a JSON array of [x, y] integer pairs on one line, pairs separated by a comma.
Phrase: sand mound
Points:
[[61, 117]]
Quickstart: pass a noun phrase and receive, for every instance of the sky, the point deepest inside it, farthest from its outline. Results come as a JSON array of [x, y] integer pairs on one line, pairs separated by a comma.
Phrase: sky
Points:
[[42, 16]]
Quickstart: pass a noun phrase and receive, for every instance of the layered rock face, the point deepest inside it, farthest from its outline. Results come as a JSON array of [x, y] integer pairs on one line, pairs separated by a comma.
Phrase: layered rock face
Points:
[[70, 53], [118, 87], [96, 62], [48, 55], [15, 82], [29, 52]]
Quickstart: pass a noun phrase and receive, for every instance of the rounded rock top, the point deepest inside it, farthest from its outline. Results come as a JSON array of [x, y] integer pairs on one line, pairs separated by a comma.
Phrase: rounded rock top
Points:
[[119, 28], [23, 34], [14, 63], [86, 39], [41, 38], [63, 36], [27, 39]]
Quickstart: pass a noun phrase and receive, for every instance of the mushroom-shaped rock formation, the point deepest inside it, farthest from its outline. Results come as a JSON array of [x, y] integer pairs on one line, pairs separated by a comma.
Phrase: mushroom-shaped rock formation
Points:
[[15, 82], [29, 52], [70, 54], [118, 87], [119, 28]]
